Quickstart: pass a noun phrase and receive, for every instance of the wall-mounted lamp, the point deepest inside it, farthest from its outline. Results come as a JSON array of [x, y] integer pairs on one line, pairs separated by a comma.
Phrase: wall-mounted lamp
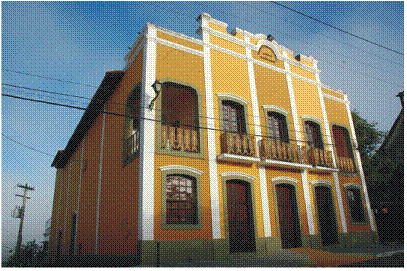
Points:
[[157, 89]]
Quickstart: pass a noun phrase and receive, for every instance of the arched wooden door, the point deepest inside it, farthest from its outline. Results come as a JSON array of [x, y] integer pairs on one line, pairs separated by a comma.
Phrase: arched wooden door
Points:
[[240, 217], [326, 215], [290, 231]]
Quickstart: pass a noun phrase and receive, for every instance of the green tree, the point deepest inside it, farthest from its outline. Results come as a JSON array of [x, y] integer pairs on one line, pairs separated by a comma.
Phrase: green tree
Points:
[[369, 138]]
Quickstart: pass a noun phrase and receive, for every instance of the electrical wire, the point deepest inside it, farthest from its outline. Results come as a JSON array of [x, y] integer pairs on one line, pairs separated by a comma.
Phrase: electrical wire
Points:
[[337, 28], [326, 36], [19, 143], [204, 117], [135, 117]]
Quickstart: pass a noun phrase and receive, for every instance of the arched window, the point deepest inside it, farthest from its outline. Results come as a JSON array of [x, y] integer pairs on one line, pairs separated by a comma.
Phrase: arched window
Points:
[[313, 134], [233, 117], [277, 126], [131, 131], [181, 200], [342, 141], [179, 119]]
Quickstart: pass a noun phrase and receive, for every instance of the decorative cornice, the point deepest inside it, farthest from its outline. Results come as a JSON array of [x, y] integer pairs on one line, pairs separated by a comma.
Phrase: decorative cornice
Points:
[[232, 96], [316, 182], [284, 178], [317, 120], [181, 168], [334, 98], [237, 174], [275, 108]]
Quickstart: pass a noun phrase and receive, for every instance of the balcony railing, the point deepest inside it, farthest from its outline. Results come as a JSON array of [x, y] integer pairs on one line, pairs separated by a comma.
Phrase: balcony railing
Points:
[[133, 143], [320, 157], [346, 164], [282, 151], [238, 144], [179, 138]]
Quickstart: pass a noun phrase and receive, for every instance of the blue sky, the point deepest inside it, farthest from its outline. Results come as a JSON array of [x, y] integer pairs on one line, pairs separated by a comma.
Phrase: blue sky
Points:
[[80, 41]]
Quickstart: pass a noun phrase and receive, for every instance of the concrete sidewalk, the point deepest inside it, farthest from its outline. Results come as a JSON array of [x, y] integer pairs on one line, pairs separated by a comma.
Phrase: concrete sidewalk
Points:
[[303, 257]]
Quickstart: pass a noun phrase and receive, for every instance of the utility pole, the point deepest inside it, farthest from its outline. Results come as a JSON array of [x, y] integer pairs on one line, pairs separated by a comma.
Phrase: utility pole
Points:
[[21, 216]]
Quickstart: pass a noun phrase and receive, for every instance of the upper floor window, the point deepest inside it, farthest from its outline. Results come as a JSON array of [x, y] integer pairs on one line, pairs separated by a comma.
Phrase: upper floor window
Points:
[[233, 117], [313, 135], [179, 118], [131, 132], [277, 126], [342, 141]]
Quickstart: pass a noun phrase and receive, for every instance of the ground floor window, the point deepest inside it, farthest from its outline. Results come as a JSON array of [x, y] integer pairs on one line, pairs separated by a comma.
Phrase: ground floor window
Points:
[[355, 204], [181, 200]]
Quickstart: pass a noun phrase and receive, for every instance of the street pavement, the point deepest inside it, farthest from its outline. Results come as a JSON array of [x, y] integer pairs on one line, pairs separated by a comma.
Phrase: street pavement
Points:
[[378, 255]]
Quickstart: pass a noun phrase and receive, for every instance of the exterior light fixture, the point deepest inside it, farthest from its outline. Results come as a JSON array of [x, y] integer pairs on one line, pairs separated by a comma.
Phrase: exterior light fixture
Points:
[[157, 89], [270, 38]]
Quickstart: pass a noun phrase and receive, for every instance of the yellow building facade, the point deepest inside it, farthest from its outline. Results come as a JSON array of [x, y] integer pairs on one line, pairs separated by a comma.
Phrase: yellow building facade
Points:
[[202, 148]]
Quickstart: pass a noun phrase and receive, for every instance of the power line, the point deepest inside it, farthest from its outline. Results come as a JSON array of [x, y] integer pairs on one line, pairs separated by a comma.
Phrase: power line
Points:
[[326, 36], [334, 27], [49, 78], [19, 143], [310, 44], [204, 117], [134, 117]]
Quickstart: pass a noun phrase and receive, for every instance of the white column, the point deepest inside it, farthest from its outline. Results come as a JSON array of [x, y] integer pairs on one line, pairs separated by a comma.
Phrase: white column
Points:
[[100, 180], [147, 142], [359, 161], [257, 131], [329, 141], [213, 168], [304, 178]]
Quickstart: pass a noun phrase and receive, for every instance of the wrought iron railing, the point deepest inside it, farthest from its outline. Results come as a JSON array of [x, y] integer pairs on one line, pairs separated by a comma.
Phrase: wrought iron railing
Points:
[[282, 151], [179, 138], [346, 164], [239, 144], [320, 157], [133, 143]]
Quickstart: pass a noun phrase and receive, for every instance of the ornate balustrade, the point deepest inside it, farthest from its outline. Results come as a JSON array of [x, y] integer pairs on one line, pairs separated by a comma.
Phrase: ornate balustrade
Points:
[[179, 138], [282, 151], [238, 144], [346, 164], [320, 157]]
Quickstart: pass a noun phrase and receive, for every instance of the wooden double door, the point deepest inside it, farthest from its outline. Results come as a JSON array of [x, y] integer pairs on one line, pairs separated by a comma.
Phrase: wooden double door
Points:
[[326, 215], [240, 217], [290, 230]]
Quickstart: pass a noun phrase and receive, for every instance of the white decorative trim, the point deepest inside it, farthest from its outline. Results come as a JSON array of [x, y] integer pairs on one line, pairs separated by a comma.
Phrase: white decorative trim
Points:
[[257, 131], [283, 164], [275, 108], [237, 158], [292, 102], [284, 178], [333, 98], [181, 168], [272, 45], [308, 206], [136, 53], [79, 190], [178, 35], [213, 167], [324, 169], [340, 202], [140, 36], [178, 46], [231, 96], [286, 50], [237, 174], [248, 34], [359, 162], [333, 89], [346, 185], [316, 182], [147, 146], [100, 180], [315, 119]]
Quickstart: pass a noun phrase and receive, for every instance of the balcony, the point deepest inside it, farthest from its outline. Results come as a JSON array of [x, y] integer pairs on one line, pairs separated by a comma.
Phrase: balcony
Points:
[[179, 139], [346, 164], [237, 148], [282, 154], [133, 143], [321, 160]]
